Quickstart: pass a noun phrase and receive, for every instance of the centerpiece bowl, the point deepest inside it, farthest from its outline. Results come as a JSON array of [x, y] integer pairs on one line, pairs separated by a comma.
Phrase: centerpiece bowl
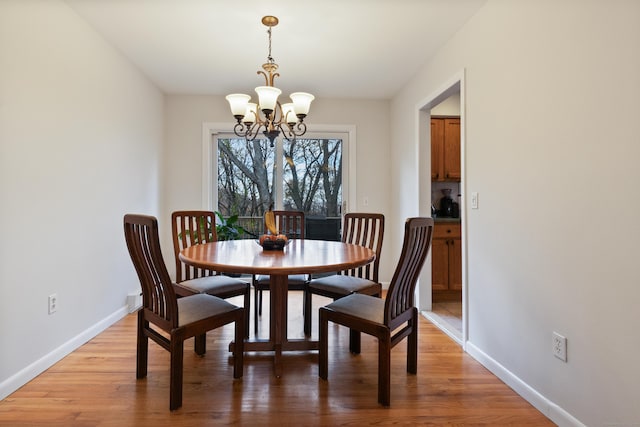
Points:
[[273, 242]]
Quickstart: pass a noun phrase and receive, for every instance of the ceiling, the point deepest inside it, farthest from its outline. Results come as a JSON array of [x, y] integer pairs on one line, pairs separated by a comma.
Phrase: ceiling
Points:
[[330, 48]]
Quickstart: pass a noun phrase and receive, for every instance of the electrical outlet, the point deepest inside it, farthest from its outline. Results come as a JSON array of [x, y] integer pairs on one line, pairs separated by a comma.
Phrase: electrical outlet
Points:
[[365, 201], [559, 348], [53, 303]]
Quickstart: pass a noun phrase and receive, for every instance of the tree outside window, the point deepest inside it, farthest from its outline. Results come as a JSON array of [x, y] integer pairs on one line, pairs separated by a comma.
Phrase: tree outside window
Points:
[[311, 181]]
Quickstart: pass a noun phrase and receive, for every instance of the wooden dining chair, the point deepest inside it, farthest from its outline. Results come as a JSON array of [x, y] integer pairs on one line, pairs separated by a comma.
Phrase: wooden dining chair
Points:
[[178, 318], [291, 224], [391, 319], [192, 227], [364, 229]]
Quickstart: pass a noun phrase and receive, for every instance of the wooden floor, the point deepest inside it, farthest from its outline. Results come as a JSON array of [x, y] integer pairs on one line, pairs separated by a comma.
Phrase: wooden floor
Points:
[[96, 386]]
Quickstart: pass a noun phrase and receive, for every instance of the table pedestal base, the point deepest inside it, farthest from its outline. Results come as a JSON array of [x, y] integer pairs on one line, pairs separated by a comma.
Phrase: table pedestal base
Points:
[[289, 345], [278, 341]]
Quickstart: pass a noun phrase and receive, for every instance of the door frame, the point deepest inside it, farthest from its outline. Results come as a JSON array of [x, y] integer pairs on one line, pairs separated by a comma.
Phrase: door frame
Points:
[[456, 83]]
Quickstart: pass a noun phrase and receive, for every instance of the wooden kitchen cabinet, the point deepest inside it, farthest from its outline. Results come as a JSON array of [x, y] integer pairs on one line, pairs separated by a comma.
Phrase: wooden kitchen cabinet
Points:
[[445, 149], [446, 256]]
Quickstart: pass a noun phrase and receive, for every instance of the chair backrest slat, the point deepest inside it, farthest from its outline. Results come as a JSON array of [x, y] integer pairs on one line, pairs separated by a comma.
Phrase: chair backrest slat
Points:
[[418, 233], [364, 229], [191, 227], [289, 223], [158, 295]]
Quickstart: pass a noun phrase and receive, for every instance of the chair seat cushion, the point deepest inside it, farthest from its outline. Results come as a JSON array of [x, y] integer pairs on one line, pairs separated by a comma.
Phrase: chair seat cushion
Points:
[[294, 279], [340, 284], [361, 306], [201, 306], [215, 285]]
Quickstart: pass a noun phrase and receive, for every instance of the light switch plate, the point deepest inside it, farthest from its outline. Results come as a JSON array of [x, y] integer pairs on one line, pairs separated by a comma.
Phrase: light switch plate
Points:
[[474, 200]]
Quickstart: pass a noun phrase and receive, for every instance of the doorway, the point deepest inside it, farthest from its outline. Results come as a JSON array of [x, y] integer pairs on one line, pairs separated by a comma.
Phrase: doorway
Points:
[[443, 296], [446, 248]]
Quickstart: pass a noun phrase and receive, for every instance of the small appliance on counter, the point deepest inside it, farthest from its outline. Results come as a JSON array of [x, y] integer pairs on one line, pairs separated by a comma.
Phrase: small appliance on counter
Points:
[[448, 207], [455, 210]]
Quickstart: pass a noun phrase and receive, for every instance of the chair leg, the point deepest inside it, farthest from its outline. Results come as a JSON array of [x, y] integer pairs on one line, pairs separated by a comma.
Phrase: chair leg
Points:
[[200, 344], [306, 312], [255, 310], [323, 345], [260, 303], [175, 381], [247, 311], [412, 345], [384, 369], [142, 346], [238, 349], [354, 341]]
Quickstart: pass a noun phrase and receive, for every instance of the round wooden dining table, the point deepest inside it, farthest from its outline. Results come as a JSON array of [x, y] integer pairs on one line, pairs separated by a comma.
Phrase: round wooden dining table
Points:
[[300, 256]]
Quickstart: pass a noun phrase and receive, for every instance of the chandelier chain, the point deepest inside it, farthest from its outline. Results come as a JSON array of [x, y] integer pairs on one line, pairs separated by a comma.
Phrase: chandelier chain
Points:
[[269, 57]]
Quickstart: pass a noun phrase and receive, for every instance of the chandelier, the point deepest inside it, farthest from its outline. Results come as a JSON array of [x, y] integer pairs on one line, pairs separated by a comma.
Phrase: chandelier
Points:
[[269, 115]]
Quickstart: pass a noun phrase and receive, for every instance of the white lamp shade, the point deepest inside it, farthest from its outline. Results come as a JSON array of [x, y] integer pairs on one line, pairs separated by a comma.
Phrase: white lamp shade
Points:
[[302, 102], [268, 97], [251, 113], [238, 103], [289, 113]]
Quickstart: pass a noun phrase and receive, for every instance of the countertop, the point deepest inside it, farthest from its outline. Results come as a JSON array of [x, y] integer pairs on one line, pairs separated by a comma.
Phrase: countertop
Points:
[[445, 219]]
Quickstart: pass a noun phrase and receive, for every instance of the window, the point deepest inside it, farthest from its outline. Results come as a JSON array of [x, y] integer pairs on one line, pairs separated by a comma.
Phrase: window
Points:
[[305, 174]]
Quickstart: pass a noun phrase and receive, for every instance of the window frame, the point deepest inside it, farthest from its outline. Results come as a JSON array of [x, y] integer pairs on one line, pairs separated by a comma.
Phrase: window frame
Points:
[[211, 132]]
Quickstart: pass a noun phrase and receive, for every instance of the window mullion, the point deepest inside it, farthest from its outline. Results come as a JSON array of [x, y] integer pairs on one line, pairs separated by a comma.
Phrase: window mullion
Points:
[[278, 183]]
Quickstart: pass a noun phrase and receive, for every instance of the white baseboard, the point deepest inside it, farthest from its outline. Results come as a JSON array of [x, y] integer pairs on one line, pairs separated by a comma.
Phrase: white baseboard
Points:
[[552, 411], [16, 381]]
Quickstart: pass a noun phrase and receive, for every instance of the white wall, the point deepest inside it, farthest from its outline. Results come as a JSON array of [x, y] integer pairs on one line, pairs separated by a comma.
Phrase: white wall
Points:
[[540, 80], [186, 114], [80, 144]]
